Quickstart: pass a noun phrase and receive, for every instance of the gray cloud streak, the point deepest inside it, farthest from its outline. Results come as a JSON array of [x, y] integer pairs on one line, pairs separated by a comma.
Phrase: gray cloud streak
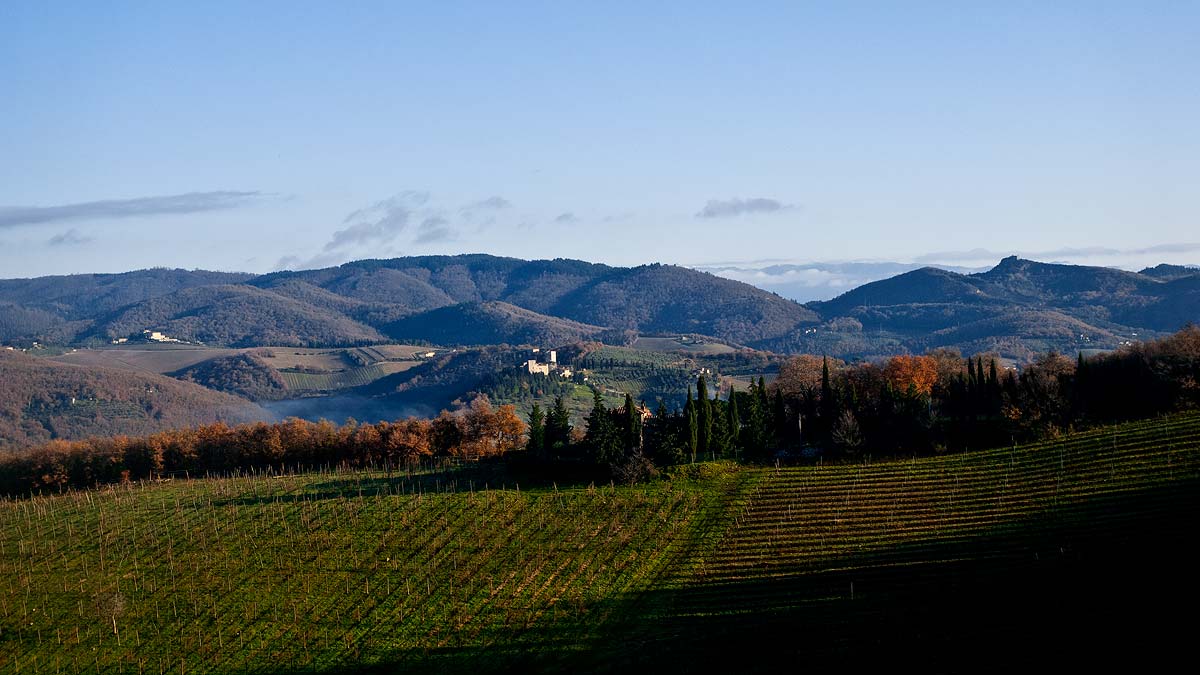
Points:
[[69, 238], [431, 235], [729, 208], [191, 202], [435, 228], [379, 223]]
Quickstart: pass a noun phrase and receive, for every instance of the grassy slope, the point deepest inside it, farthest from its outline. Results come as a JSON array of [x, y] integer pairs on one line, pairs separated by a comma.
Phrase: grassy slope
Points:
[[1072, 544]]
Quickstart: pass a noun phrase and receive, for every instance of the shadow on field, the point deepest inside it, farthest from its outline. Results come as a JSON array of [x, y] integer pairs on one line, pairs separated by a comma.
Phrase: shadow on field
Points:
[[462, 479], [1102, 583]]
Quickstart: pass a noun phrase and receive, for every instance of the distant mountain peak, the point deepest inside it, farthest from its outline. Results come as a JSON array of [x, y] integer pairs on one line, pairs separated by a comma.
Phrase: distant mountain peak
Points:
[[1168, 272], [1012, 263]]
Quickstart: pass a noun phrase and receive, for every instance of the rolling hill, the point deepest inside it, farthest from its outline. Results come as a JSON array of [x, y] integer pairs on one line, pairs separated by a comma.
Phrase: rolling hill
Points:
[[1022, 305], [651, 298], [670, 299], [1170, 272], [237, 316], [59, 308], [487, 323], [42, 400], [244, 374]]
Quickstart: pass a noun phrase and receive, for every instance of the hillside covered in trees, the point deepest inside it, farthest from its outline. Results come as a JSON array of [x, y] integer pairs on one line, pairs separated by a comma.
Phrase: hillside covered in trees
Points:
[[1019, 308], [487, 323], [245, 374], [41, 401]]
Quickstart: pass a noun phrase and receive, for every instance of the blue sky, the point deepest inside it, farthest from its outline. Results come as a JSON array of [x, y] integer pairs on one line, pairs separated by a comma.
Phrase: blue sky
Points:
[[230, 136]]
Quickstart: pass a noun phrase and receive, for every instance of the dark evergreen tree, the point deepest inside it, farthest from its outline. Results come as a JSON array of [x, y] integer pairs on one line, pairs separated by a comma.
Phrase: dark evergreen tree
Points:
[[828, 412], [704, 418], [558, 428], [734, 423], [603, 439], [995, 394], [779, 420], [537, 432], [633, 424], [692, 426], [719, 444], [753, 436], [764, 410], [663, 437]]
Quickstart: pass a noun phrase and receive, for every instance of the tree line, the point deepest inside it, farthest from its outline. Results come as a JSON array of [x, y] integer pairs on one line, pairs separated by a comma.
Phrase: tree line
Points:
[[478, 431], [942, 401], [910, 404], [936, 402]]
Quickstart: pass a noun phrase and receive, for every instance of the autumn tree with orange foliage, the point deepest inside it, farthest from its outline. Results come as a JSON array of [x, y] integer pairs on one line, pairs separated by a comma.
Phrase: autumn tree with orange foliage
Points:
[[407, 440], [488, 432], [480, 431], [912, 373]]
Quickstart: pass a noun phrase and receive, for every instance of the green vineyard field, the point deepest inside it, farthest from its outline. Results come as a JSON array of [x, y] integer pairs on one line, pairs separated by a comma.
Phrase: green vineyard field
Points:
[[993, 556], [343, 379]]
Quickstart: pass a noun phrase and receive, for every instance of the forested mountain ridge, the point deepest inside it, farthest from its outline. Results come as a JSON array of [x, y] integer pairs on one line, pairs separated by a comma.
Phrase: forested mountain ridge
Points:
[[1020, 306], [351, 303], [84, 295], [236, 316], [1017, 308]]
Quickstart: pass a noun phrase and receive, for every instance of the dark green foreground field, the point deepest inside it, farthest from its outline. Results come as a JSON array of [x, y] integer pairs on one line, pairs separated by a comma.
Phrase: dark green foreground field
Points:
[[1068, 553]]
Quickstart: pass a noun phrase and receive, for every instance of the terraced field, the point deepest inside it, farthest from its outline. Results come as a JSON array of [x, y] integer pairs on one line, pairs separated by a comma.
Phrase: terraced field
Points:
[[1060, 554], [345, 378]]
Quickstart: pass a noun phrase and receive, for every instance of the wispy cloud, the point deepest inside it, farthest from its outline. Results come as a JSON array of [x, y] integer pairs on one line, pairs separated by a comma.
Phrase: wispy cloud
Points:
[[192, 202], [566, 218], [69, 238], [434, 229], [379, 223], [411, 217], [493, 203], [729, 208]]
